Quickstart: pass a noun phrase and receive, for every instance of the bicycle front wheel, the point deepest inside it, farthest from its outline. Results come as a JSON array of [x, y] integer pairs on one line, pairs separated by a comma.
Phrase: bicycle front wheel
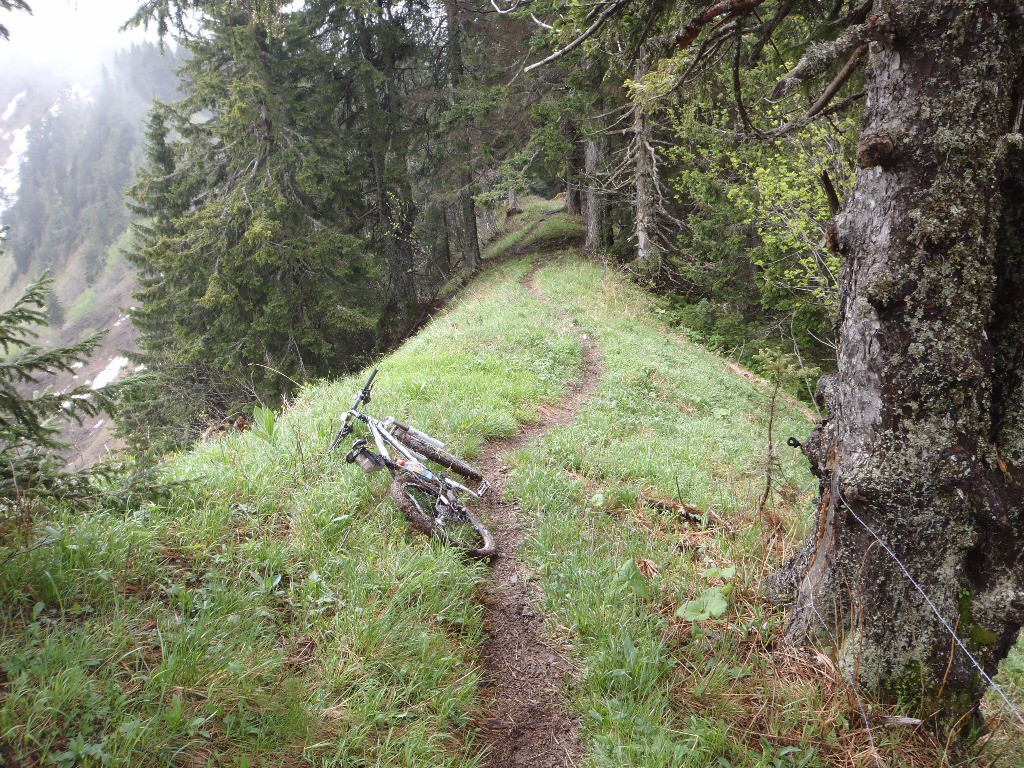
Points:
[[459, 527]]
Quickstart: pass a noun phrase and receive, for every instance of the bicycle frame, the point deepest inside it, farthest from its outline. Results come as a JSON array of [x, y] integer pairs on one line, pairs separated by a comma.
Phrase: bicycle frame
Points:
[[428, 499], [383, 439]]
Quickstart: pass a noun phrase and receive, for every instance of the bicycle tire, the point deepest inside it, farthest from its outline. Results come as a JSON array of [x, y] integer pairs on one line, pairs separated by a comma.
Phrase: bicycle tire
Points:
[[469, 534], [442, 457]]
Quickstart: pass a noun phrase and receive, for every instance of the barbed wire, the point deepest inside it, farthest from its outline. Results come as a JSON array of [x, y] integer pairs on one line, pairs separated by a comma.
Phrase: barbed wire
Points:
[[932, 606]]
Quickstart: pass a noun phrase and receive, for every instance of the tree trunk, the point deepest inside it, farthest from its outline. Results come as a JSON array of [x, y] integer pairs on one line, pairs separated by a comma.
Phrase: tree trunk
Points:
[[572, 194], [925, 436], [467, 207], [595, 199], [648, 257], [470, 236]]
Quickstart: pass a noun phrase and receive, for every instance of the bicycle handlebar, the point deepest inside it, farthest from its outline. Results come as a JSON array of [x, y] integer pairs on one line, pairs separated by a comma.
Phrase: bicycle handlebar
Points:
[[363, 396], [369, 381]]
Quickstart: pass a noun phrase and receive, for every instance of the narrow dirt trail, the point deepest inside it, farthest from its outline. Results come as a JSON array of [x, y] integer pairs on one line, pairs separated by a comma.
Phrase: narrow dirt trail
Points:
[[527, 721]]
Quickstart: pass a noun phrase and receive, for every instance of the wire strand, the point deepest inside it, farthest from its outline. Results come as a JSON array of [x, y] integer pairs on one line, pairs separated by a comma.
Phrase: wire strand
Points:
[[934, 609]]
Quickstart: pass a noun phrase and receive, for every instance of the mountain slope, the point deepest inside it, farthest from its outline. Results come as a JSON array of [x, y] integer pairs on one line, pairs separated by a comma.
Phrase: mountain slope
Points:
[[67, 153], [278, 611]]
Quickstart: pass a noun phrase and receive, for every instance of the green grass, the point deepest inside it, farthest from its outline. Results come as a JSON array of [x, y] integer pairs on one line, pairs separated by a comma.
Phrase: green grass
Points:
[[669, 421], [515, 229], [83, 307], [558, 230], [672, 422], [278, 611]]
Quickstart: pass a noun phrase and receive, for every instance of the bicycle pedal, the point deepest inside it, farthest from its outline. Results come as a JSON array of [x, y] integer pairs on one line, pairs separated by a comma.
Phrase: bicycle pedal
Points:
[[484, 485]]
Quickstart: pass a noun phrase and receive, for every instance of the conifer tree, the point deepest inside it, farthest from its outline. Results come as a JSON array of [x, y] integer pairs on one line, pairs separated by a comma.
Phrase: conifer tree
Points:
[[30, 425], [12, 5], [253, 272]]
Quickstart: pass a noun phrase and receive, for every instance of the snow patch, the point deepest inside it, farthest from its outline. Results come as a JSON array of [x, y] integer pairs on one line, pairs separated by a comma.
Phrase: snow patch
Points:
[[140, 368], [100, 423], [77, 365], [12, 107], [67, 403], [10, 172], [110, 373]]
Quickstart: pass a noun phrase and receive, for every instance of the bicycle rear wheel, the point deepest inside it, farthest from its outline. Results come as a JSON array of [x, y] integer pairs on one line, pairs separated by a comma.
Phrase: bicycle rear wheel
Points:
[[458, 528]]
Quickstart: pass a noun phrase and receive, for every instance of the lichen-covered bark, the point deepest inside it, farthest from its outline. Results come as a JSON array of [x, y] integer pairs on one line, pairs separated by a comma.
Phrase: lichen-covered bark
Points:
[[925, 435]]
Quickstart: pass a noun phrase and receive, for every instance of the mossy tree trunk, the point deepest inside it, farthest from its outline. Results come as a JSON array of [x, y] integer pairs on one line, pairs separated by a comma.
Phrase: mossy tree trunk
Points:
[[925, 434]]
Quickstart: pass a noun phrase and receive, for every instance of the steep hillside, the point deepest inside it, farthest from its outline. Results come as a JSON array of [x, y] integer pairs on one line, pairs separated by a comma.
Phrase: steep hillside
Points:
[[279, 611], [66, 156], [23, 101]]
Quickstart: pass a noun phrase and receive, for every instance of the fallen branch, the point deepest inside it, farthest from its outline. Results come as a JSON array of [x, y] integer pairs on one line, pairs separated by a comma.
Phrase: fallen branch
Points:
[[688, 512]]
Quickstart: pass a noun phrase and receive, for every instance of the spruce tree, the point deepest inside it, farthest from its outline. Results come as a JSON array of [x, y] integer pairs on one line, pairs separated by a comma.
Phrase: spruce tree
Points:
[[30, 425]]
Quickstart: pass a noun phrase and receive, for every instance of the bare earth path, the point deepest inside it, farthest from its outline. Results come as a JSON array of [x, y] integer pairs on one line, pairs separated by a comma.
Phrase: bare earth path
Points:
[[527, 721]]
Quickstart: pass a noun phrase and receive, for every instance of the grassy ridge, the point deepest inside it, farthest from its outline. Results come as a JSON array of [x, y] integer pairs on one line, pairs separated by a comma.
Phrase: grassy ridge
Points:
[[670, 422], [278, 612], [621, 559], [515, 230]]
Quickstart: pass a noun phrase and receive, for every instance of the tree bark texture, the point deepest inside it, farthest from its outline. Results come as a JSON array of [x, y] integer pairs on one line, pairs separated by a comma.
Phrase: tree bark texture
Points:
[[925, 435], [596, 200]]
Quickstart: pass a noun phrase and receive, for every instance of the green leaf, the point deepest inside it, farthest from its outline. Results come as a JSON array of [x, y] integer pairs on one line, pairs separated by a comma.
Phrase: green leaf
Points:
[[725, 574], [264, 423], [711, 604], [629, 578]]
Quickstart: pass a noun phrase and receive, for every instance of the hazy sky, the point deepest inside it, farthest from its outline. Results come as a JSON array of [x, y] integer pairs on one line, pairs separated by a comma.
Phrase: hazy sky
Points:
[[71, 36]]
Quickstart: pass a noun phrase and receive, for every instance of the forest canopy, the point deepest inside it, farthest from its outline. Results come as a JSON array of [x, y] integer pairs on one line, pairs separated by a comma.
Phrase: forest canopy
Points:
[[331, 168]]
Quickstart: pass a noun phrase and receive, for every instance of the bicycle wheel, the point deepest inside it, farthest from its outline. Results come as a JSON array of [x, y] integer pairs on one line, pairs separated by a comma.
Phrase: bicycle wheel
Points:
[[459, 528], [442, 457]]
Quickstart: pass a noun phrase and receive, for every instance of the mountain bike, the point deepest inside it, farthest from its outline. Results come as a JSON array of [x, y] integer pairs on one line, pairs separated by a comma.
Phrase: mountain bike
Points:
[[429, 500]]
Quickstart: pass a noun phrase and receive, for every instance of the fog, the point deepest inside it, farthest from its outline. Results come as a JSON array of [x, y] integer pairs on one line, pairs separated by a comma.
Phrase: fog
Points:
[[71, 38]]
